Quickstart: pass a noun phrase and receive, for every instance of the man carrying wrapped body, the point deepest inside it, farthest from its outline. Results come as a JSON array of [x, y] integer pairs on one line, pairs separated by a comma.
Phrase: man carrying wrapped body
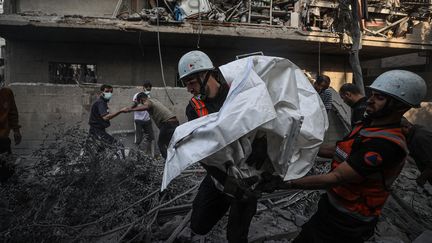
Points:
[[251, 119]]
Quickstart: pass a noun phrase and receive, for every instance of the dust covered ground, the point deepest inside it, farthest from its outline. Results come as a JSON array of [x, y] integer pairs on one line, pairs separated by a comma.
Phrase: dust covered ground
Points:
[[75, 190]]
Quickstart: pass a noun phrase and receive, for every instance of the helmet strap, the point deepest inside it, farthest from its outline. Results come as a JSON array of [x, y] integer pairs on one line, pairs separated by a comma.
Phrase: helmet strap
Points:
[[203, 83], [390, 106]]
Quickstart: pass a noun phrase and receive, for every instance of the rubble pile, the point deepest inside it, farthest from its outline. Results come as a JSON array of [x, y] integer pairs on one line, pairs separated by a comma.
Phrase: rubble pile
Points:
[[80, 193], [74, 191], [384, 18]]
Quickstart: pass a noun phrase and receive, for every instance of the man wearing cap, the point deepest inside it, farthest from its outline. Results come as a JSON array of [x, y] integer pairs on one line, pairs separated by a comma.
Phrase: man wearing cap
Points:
[[365, 164]]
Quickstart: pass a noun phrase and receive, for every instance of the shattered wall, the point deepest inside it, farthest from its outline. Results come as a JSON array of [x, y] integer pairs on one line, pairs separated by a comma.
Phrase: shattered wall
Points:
[[95, 8], [116, 64], [120, 64]]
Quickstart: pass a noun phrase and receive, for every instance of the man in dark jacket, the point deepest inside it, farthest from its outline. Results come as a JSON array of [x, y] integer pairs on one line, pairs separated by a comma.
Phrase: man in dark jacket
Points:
[[100, 116], [352, 96]]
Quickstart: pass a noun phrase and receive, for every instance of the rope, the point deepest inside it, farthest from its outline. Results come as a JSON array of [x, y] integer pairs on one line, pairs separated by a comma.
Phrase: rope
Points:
[[200, 25], [160, 53], [319, 58]]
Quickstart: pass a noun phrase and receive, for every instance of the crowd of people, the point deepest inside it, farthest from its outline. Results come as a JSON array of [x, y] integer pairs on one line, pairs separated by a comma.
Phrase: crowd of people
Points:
[[364, 164]]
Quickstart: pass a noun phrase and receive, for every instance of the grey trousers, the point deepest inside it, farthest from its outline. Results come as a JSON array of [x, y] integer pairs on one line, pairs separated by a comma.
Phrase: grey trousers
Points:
[[143, 129]]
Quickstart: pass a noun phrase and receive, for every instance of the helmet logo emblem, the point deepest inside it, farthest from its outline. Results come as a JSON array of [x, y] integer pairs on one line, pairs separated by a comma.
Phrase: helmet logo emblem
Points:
[[191, 66]]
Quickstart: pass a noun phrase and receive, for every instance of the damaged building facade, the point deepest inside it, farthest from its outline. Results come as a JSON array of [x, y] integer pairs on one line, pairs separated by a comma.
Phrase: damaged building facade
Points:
[[58, 52]]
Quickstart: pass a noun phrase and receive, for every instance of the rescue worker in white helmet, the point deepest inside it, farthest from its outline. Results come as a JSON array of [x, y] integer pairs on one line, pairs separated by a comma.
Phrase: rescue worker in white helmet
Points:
[[365, 164], [204, 82], [218, 192]]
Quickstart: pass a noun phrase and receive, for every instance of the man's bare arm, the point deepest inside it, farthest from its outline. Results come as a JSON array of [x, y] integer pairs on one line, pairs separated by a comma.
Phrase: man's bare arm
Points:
[[327, 151], [342, 174], [110, 116]]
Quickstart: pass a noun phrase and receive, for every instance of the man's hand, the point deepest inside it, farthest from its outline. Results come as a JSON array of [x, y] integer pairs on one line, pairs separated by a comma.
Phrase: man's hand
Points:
[[269, 183], [259, 153], [17, 137], [241, 188]]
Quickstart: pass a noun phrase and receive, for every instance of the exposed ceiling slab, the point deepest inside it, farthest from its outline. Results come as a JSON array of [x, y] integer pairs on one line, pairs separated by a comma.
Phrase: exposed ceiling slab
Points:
[[243, 38]]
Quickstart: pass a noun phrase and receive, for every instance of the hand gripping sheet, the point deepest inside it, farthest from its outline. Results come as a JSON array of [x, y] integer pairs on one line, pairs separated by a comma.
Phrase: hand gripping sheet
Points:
[[268, 95]]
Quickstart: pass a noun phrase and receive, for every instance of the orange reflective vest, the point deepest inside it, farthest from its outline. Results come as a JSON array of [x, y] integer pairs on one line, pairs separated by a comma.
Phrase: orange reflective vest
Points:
[[199, 107], [366, 199]]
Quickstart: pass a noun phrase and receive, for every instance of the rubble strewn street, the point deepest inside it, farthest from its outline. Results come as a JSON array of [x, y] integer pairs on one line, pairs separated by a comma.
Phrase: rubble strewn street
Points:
[[69, 195]]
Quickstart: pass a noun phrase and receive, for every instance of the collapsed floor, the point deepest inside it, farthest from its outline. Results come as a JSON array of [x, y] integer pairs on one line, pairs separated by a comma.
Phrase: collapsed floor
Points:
[[72, 191], [383, 18]]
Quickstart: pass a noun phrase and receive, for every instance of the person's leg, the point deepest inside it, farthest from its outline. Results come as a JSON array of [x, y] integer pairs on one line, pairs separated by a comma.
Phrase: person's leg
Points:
[[108, 141], [165, 134], [138, 132], [6, 169], [240, 217], [5, 145], [102, 135], [208, 207], [308, 233], [149, 136], [161, 142], [171, 129], [330, 225]]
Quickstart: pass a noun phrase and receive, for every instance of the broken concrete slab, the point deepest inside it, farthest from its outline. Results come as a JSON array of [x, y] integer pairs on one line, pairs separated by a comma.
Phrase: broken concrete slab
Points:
[[425, 237]]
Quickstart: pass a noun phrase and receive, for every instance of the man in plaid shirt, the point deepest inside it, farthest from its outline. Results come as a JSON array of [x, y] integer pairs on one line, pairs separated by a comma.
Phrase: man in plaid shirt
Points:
[[321, 85]]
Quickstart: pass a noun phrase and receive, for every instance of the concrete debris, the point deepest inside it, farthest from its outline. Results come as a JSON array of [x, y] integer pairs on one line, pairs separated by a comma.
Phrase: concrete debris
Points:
[[190, 8], [425, 237], [166, 229], [391, 18], [121, 200]]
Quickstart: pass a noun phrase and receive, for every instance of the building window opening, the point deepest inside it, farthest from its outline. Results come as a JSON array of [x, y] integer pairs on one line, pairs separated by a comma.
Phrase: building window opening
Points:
[[72, 73]]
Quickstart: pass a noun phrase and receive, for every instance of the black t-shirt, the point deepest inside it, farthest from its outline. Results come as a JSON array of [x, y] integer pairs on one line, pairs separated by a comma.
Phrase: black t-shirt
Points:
[[358, 110], [98, 110], [375, 155], [212, 104]]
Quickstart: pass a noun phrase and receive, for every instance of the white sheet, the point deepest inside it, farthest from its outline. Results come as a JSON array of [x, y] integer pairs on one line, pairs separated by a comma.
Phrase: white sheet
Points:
[[268, 95]]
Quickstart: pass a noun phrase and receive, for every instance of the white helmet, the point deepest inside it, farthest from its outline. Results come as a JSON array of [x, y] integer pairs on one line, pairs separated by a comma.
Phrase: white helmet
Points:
[[402, 85], [194, 62]]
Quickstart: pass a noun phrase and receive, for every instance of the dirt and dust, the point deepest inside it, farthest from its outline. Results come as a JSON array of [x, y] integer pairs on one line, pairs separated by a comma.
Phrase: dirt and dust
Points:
[[75, 190]]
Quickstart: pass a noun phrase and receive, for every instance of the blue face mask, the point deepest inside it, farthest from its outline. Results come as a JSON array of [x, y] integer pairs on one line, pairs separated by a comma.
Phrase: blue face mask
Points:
[[107, 95]]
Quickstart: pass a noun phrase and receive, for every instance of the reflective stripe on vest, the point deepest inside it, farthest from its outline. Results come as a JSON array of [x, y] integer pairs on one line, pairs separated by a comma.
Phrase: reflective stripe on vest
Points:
[[199, 107], [365, 200]]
